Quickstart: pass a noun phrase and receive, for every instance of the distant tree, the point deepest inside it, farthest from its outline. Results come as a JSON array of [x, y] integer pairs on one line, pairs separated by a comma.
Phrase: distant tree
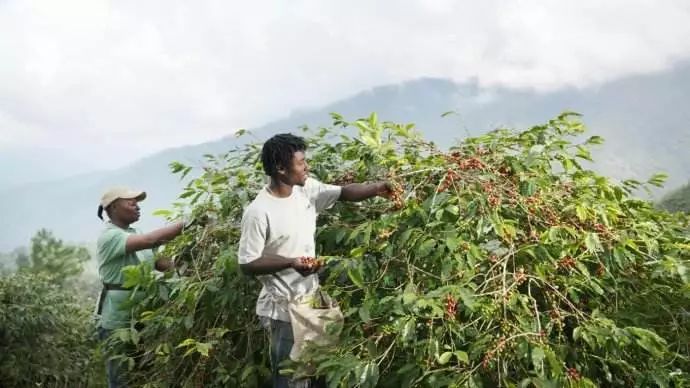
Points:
[[51, 255], [21, 256]]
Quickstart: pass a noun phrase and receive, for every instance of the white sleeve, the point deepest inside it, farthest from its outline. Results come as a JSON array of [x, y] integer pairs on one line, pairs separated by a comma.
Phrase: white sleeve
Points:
[[252, 237], [322, 195]]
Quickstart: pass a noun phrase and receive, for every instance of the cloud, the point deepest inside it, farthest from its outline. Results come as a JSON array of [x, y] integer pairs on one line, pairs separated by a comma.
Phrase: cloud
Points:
[[142, 76]]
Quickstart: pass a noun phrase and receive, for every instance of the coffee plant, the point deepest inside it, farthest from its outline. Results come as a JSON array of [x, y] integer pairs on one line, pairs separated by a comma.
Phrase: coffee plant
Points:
[[47, 330], [501, 261], [47, 334]]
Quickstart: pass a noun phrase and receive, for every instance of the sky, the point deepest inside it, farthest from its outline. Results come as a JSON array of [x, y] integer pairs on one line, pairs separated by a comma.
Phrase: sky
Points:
[[102, 83]]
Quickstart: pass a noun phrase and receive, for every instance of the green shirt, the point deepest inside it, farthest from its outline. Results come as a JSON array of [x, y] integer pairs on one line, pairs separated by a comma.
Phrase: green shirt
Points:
[[111, 259]]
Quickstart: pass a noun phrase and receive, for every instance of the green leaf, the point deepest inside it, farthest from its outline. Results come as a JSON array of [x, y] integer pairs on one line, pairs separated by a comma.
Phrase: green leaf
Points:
[[462, 356], [658, 179], [187, 193], [358, 252], [595, 287], [648, 340], [595, 140], [409, 298], [452, 243], [536, 150], [537, 357], [408, 330], [527, 188], [592, 243], [370, 375], [176, 167], [364, 314], [467, 297], [453, 209], [553, 234], [444, 358], [355, 275], [581, 212], [475, 252], [163, 213], [426, 247], [187, 342], [583, 153], [203, 348]]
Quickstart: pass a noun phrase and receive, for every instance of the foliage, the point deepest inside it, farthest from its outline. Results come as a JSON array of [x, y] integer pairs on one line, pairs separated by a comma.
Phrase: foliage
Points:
[[51, 255], [677, 200], [500, 262], [46, 334], [46, 328]]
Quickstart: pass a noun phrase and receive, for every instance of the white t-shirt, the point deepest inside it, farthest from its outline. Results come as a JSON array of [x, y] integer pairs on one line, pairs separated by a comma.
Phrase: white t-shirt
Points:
[[284, 227]]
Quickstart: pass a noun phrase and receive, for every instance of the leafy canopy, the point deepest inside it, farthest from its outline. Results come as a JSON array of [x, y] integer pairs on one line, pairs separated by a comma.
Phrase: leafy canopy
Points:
[[501, 261], [52, 256]]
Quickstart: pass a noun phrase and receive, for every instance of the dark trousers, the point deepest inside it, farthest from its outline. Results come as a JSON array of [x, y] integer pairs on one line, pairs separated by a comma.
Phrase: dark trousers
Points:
[[113, 369], [281, 345]]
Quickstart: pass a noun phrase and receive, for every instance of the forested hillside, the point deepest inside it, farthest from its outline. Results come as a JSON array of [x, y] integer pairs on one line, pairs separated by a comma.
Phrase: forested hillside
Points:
[[678, 200]]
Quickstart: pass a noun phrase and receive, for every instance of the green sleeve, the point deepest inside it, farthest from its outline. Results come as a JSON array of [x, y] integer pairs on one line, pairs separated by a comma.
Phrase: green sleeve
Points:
[[111, 245], [146, 255]]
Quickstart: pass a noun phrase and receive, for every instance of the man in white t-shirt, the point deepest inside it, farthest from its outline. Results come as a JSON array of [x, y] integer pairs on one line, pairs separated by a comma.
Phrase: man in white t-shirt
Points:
[[278, 228]]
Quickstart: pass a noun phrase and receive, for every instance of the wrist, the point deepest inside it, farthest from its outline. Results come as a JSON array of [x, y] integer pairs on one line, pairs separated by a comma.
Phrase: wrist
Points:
[[381, 188]]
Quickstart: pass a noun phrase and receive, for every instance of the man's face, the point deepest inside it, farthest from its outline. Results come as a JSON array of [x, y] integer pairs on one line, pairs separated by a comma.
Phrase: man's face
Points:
[[298, 171], [126, 210]]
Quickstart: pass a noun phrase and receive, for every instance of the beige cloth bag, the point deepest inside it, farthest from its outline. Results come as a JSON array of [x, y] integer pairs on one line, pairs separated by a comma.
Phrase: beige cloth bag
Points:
[[315, 318]]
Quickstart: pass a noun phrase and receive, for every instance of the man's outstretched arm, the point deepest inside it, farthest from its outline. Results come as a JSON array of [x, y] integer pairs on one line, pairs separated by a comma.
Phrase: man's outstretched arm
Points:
[[355, 192]]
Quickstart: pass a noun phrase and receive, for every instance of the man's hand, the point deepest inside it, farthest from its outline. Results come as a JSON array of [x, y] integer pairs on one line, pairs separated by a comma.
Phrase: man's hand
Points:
[[385, 189], [202, 220], [164, 264], [306, 265], [393, 192]]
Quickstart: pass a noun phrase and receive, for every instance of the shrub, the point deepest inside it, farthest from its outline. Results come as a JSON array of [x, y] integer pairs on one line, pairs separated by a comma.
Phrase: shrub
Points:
[[501, 261]]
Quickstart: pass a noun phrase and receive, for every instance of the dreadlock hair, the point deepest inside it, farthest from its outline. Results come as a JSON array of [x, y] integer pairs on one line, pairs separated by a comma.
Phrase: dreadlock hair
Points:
[[278, 151]]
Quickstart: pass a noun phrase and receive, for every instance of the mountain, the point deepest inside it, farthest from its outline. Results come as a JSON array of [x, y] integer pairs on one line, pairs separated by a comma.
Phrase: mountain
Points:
[[31, 165], [643, 119]]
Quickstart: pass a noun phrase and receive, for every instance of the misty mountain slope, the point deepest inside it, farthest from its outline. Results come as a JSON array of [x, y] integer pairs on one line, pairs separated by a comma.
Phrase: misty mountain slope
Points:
[[642, 118], [677, 200]]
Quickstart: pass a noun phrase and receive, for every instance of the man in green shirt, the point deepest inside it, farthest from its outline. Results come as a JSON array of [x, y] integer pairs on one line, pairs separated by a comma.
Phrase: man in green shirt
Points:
[[120, 245]]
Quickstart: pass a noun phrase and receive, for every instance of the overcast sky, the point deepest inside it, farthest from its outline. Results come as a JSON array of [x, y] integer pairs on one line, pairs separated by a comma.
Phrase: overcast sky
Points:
[[141, 76]]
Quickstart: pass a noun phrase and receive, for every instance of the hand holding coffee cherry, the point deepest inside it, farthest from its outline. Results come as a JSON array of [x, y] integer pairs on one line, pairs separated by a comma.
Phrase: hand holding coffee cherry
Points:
[[394, 192], [307, 265]]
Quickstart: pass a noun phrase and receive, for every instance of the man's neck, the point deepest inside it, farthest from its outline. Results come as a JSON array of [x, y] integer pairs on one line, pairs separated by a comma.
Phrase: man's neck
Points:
[[279, 189], [120, 224]]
